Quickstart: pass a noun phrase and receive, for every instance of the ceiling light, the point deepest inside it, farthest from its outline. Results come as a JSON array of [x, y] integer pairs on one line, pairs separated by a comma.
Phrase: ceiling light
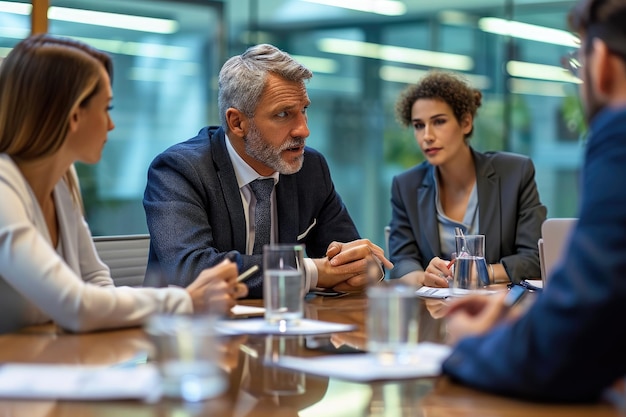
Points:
[[15, 8], [91, 17], [385, 7], [163, 75], [409, 76], [14, 33], [396, 54], [540, 72], [335, 84], [142, 49], [537, 88], [114, 20], [316, 64], [528, 31]]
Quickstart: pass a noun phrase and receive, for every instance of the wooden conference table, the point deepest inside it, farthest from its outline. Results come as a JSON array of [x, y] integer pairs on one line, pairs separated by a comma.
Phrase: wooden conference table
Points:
[[249, 393]]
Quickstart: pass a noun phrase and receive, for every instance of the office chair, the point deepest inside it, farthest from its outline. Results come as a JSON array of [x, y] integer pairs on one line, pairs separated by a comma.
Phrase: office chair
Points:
[[126, 256]]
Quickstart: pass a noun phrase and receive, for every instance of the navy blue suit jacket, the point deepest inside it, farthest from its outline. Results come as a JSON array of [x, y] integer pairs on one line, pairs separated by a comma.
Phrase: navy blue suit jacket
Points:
[[570, 345], [510, 215], [195, 213]]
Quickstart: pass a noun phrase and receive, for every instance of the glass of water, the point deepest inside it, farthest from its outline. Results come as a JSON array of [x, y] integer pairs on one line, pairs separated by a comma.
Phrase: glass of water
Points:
[[470, 267], [392, 323], [283, 283], [188, 355]]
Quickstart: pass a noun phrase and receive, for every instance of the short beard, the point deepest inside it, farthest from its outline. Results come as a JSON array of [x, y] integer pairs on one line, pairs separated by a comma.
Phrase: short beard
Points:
[[262, 151]]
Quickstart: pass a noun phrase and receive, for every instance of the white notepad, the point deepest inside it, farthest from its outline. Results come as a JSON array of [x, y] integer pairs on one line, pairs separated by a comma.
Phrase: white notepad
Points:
[[78, 382]]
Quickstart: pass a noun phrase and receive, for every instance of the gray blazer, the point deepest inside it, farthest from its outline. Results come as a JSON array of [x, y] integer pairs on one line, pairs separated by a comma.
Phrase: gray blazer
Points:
[[510, 215], [195, 214]]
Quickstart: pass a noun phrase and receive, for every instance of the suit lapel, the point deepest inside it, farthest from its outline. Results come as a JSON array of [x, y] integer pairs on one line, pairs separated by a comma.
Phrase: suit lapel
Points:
[[287, 209], [426, 209], [230, 190], [488, 187]]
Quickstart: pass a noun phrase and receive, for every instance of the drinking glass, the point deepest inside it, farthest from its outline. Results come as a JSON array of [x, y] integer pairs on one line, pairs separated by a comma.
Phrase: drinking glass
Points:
[[188, 355], [470, 267], [283, 284], [392, 322]]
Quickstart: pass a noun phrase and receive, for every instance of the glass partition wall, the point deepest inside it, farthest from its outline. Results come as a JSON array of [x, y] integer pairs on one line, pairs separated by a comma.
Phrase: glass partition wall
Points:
[[166, 70]]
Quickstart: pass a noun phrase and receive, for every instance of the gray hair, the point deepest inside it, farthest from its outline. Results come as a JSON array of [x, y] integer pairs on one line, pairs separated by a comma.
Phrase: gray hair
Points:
[[242, 78]]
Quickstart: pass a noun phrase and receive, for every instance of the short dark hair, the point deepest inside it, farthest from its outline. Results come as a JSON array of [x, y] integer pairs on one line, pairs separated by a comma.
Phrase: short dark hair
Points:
[[603, 19]]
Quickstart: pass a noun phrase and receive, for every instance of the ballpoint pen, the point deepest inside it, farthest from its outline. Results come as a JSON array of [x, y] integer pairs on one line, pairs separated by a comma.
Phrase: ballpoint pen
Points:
[[248, 273]]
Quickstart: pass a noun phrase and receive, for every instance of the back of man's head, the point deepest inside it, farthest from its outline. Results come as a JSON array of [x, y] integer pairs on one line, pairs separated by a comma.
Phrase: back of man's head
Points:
[[604, 19]]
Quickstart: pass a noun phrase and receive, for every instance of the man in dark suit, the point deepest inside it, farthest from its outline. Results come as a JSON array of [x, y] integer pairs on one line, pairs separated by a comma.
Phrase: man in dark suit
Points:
[[569, 345], [201, 200]]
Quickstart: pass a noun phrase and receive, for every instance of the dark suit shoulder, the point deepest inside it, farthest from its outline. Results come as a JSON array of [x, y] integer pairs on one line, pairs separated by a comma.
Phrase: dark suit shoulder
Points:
[[196, 147], [506, 159]]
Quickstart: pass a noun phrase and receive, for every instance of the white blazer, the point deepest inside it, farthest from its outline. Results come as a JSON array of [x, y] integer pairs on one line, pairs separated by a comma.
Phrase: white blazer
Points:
[[74, 289]]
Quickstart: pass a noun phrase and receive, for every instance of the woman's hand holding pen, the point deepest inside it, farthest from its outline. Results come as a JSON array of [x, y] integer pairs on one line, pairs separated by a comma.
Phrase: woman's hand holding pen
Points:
[[437, 273], [216, 289]]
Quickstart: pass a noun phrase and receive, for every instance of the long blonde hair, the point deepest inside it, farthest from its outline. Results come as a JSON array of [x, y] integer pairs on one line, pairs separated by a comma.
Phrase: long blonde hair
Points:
[[42, 80]]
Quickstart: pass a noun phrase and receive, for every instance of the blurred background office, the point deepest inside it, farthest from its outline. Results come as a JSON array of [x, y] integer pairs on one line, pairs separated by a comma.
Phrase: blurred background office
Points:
[[167, 55]]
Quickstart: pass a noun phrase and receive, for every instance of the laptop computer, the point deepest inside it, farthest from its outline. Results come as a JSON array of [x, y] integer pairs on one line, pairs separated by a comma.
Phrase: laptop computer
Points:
[[555, 234]]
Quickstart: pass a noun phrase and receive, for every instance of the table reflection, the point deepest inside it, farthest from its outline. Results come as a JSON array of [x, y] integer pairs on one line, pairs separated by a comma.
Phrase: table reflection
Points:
[[258, 389], [257, 385]]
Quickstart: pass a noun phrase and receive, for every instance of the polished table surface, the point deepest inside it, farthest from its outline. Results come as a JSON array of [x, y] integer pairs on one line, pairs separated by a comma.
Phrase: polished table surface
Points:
[[250, 391]]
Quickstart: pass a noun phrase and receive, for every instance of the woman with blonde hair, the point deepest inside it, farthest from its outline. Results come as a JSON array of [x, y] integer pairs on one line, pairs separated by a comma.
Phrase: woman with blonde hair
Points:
[[491, 193], [55, 97]]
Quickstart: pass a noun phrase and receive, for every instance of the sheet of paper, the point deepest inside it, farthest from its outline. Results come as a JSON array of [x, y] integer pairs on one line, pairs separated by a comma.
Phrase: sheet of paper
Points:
[[432, 292], [427, 362], [78, 382], [260, 326]]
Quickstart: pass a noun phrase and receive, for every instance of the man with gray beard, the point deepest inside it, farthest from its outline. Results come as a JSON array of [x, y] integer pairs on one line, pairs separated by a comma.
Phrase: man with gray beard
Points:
[[201, 199]]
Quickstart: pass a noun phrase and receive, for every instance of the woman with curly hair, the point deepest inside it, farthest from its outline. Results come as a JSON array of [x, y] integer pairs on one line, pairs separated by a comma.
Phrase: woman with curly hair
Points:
[[492, 193]]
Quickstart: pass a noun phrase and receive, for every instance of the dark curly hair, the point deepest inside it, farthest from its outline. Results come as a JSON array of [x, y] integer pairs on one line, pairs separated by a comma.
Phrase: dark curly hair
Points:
[[446, 86]]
